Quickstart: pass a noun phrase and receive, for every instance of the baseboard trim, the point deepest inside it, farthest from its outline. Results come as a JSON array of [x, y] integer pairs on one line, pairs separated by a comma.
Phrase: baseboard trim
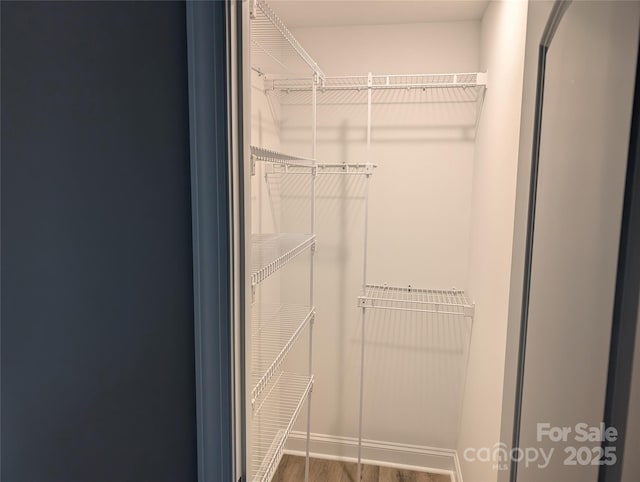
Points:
[[458, 469], [386, 454]]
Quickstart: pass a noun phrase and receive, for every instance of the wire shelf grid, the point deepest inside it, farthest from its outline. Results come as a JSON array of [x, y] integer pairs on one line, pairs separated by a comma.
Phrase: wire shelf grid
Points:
[[450, 302], [275, 328], [391, 81], [363, 168], [351, 168], [274, 419], [267, 155], [287, 163], [411, 89], [270, 252], [274, 49], [470, 79]]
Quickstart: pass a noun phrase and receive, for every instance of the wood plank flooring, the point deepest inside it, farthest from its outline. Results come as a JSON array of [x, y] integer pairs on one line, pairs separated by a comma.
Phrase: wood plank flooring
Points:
[[291, 469]]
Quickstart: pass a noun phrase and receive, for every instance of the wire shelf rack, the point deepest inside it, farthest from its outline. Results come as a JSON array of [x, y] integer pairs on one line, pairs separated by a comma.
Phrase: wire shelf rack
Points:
[[274, 419], [458, 88], [449, 302], [274, 49], [384, 81], [350, 168], [270, 252], [286, 163], [267, 155], [275, 328], [364, 168], [283, 161]]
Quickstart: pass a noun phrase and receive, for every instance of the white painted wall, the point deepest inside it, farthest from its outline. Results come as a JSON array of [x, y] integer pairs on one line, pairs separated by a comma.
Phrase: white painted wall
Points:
[[399, 48], [590, 74], [420, 205], [583, 162], [494, 182], [537, 15]]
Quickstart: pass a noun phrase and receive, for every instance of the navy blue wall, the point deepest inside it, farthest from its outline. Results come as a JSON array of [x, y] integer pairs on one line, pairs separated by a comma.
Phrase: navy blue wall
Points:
[[97, 292]]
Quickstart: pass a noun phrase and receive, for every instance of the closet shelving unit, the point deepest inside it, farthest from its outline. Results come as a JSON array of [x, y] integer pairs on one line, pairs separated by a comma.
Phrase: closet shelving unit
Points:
[[294, 78], [467, 88], [452, 304], [277, 396], [450, 87]]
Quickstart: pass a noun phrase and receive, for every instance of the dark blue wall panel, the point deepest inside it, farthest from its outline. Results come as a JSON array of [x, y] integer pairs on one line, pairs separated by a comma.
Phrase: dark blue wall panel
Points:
[[97, 294]]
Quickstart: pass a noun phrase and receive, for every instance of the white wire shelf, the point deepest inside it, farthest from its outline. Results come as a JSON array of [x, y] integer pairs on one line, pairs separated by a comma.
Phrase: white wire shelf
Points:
[[449, 302], [287, 163], [384, 82], [270, 252], [273, 421], [268, 155], [275, 330], [274, 49], [466, 90], [364, 168], [280, 159], [341, 168]]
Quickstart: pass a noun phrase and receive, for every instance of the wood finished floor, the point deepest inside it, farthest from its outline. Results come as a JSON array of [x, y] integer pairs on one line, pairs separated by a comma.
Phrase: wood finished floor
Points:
[[291, 469]]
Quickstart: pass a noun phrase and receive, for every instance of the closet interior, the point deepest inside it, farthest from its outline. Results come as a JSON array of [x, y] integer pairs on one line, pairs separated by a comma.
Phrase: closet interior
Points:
[[375, 226]]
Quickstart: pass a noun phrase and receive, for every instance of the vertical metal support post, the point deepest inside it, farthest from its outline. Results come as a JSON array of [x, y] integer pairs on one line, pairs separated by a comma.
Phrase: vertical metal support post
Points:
[[314, 173], [364, 276]]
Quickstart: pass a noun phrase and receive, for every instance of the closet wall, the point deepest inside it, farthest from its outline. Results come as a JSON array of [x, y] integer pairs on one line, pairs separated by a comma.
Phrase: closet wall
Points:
[[580, 194], [419, 215], [503, 33]]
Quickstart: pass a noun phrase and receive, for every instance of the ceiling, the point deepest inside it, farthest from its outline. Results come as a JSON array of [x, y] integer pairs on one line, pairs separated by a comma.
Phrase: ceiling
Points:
[[324, 13]]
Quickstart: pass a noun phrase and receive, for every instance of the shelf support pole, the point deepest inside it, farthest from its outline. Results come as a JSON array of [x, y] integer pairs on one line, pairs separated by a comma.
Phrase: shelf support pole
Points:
[[314, 175], [364, 275]]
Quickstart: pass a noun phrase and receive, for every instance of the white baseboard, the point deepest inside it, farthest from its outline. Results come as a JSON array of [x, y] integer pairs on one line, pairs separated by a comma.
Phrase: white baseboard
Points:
[[458, 469], [386, 454]]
